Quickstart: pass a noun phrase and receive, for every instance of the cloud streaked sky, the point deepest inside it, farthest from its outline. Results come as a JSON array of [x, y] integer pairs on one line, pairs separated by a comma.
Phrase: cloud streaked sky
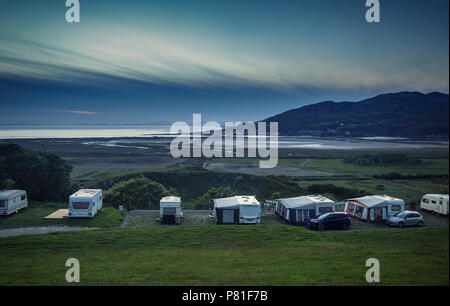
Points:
[[78, 112], [143, 61]]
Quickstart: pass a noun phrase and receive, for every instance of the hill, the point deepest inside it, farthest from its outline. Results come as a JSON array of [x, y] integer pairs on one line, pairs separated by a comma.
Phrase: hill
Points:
[[404, 114]]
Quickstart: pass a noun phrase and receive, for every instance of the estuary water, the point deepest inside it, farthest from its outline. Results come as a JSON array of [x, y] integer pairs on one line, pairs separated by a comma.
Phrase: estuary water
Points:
[[120, 136]]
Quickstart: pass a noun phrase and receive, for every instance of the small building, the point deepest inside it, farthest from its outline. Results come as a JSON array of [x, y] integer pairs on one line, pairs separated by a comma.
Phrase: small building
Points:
[[374, 208], [299, 209], [170, 210], [85, 203], [437, 203], [237, 210], [11, 201]]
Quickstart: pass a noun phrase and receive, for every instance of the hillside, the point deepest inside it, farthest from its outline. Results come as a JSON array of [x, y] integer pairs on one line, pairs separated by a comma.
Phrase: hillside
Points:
[[403, 114], [266, 255]]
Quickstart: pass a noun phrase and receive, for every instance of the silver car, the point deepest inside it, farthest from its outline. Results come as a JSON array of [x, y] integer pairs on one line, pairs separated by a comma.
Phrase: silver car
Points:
[[406, 218]]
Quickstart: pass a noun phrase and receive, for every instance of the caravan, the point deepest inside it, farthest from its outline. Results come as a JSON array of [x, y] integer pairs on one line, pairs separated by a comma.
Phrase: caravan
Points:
[[374, 208], [170, 210], [437, 203], [85, 203], [11, 201], [300, 209], [237, 210]]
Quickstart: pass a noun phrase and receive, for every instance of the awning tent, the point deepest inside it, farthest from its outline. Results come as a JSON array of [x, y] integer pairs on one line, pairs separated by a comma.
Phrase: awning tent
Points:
[[235, 210], [374, 208], [299, 209]]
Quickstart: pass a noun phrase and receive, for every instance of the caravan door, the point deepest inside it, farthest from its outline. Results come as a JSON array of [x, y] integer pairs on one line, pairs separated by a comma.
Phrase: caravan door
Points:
[[228, 216]]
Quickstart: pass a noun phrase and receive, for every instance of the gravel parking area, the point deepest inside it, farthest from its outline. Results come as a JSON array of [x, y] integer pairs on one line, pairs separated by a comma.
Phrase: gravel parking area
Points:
[[142, 218]]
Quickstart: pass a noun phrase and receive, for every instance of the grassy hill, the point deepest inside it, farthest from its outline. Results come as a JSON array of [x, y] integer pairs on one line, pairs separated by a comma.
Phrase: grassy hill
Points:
[[228, 255]]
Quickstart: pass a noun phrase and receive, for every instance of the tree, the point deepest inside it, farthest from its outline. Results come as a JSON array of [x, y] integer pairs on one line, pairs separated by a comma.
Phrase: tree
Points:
[[137, 193], [7, 184], [204, 201], [45, 176]]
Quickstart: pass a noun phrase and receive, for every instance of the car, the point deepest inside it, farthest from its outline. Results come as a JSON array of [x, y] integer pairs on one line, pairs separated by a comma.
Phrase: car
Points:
[[332, 220], [406, 218]]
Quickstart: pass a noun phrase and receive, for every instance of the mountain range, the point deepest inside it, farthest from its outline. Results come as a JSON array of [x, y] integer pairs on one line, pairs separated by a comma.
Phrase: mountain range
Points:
[[403, 114]]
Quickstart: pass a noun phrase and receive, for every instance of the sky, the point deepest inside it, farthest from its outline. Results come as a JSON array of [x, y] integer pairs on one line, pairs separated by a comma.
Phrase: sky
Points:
[[138, 62]]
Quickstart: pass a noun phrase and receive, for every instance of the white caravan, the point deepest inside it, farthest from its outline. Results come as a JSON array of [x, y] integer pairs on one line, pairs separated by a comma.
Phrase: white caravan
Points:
[[170, 210], [237, 210], [85, 203], [11, 201], [437, 203]]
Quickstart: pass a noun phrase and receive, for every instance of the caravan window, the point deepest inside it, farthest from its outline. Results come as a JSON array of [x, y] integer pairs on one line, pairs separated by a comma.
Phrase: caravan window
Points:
[[426, 201], [434, 202], [23, 197], [323, 210], [351, 208], [396, 207], [2, 204], [80, 205]]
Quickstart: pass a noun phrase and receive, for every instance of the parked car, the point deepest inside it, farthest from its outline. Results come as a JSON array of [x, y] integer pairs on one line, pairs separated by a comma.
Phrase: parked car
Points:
[[332, 220], [406, 218]]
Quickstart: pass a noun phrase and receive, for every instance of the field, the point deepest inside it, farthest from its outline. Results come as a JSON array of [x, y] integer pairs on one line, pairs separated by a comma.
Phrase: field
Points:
[[227, 255]]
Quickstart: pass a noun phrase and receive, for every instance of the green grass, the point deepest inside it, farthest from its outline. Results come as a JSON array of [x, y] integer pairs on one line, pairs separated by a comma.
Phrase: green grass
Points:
[[89, 176], [33, 216], [227, 255], [338, 166]]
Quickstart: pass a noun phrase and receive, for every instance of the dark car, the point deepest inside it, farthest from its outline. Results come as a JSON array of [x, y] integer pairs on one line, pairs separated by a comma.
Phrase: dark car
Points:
[[332, 220]]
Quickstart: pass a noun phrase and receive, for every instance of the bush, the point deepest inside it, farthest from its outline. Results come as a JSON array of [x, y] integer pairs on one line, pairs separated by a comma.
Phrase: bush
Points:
[[381, 159], [204, 201], [340, 193], [137, 193]]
